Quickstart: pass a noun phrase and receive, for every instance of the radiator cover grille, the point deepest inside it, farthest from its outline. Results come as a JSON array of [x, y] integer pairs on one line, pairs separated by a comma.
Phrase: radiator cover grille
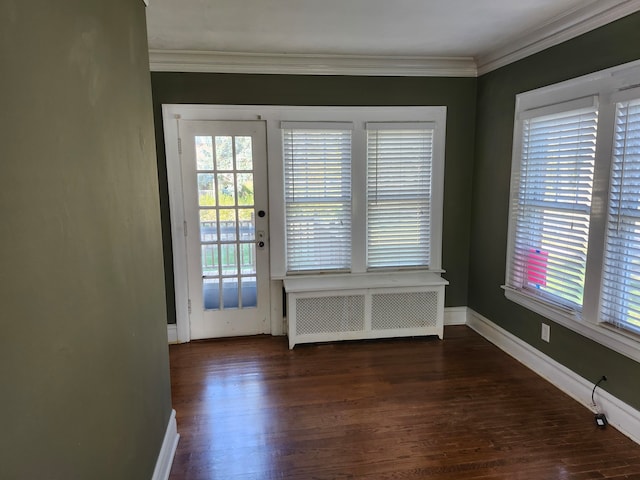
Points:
[[330, 314], [404, 310]]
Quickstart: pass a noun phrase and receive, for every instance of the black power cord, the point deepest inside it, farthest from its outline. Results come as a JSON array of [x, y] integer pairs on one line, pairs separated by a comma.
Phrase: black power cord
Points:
[[600, 419]]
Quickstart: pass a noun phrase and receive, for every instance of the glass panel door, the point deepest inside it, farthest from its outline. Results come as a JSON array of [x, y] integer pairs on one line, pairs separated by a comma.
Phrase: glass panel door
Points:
[[222, 162]]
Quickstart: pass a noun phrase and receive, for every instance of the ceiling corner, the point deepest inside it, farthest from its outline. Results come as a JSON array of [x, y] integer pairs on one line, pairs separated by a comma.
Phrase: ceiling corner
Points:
[[568, 26]]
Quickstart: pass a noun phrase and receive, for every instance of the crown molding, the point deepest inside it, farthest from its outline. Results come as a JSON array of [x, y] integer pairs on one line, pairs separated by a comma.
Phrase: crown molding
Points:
[[298, 64], [572, 24]]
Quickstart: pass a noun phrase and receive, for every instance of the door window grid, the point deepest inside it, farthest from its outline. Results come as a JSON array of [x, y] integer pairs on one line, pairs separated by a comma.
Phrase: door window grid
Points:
[[227, 225]]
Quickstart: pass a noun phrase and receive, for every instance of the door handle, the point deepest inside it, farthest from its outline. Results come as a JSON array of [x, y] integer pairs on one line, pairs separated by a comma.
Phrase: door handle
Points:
[[260, 239], [261, 213]]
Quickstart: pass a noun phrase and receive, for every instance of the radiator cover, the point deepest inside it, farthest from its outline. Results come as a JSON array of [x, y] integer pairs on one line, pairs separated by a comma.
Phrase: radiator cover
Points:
[[347, 314]]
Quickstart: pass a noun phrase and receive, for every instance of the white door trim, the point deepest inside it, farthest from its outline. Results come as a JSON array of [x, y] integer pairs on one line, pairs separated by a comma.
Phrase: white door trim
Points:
[[170, 117]]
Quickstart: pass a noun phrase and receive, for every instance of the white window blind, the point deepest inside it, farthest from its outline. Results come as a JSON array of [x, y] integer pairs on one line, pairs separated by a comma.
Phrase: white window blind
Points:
[[620, 297], [317, 168], [551, 205], [399, 171]]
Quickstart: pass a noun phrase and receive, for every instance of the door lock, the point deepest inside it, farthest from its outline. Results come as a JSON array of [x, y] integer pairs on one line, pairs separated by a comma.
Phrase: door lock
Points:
[[260, 235]]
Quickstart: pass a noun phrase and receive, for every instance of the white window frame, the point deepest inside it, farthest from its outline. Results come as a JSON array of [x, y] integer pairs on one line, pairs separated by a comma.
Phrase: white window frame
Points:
[[603, 85], [274, 115], [359, 116]]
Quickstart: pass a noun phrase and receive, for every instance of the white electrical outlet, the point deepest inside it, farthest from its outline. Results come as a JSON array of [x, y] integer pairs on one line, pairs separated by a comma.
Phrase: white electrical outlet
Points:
[[545, 333]]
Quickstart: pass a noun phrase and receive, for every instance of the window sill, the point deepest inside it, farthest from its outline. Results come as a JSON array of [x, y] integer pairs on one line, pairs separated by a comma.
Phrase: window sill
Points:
[[610, 337]]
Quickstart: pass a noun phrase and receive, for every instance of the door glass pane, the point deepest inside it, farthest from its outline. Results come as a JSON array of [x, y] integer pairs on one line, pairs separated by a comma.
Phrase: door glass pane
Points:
[[244, 157], [224, 153], [208, 225], [206, 190], [226, 189], [247, 224], [230, 293], [249, 292], [210, 260], [204, 153], [245, 189], [229, 260], [247, 258], [211, 293], [227, 225]]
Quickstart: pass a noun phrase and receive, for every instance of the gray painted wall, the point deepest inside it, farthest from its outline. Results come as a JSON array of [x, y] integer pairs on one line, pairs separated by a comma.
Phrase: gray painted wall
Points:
[[611, 45], [83, 347], [458, 94]]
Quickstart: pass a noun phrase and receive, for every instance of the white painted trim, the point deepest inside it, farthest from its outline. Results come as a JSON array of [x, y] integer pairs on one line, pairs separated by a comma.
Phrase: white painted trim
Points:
[[146, 2], [623, 417], [168, 450], [301, 64], [176, 207], [347, 281], [455, 316], [278, 322], [574, 23], [172, 333]]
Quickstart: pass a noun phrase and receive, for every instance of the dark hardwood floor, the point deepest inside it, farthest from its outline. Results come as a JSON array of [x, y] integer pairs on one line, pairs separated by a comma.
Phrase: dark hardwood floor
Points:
[[249, 408]]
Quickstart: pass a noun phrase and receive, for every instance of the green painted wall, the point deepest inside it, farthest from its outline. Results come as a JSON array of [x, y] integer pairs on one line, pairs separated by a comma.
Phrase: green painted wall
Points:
[[611, 45], [83, 345], [458, 94]]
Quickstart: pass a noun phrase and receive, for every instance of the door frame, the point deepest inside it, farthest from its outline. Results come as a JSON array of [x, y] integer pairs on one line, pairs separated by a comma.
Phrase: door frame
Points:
[[171, 114]]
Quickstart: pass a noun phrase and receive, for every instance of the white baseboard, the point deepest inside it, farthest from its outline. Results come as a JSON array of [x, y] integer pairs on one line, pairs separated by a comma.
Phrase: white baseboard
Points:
[[455, 315], [621, 416], [452, 316], [172, 333], [168, 450]]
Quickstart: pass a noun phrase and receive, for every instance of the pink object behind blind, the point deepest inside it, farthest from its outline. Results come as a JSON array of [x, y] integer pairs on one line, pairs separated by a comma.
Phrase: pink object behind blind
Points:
[[537, 267]]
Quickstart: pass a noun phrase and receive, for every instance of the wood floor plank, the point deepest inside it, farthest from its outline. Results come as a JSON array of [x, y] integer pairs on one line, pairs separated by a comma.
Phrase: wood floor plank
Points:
[[458, 409]]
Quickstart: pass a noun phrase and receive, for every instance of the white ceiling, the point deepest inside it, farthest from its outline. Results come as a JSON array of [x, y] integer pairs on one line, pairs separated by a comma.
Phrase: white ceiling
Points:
[[472, 29]]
